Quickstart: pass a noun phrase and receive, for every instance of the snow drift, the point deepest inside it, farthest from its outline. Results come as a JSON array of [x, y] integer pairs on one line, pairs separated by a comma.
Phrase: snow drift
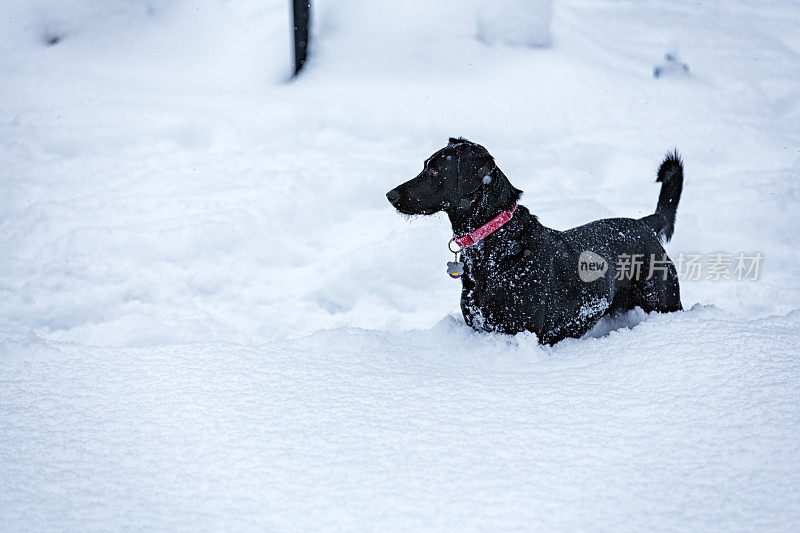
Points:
[[442, 428]]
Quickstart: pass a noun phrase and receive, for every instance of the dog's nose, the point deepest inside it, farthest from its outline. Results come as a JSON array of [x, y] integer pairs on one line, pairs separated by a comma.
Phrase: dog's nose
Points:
[[393, 196]]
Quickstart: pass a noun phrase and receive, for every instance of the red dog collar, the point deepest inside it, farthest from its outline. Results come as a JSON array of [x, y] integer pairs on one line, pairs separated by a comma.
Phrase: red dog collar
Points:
[[487, 229]]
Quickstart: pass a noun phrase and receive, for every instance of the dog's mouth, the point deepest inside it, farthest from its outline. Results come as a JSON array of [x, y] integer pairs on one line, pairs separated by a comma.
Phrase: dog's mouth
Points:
[[408, 211], [406, 206], [414, 212]]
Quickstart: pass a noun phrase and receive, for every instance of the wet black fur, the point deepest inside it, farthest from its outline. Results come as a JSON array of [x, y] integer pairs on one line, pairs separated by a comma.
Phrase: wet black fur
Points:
[[524, 277]]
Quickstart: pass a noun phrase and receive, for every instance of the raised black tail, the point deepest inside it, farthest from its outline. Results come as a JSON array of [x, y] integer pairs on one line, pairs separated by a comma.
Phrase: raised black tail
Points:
[[670, 174]]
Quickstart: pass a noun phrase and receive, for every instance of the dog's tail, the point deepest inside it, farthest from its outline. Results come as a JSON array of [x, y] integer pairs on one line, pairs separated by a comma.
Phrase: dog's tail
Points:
[[670, 174]]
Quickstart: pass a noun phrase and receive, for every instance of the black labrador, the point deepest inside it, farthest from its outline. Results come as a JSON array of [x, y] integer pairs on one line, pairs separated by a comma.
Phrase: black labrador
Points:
[[523, 276]]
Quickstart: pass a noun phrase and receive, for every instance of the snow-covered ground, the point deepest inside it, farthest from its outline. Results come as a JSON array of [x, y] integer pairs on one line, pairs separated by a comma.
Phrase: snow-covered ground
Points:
[[210, 316]]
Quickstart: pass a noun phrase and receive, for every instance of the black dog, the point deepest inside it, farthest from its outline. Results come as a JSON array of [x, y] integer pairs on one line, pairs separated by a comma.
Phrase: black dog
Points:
[[524, 276]]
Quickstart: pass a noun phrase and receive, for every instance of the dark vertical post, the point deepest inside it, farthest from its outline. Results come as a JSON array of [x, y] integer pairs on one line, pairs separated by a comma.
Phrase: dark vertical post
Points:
[[301, 12]]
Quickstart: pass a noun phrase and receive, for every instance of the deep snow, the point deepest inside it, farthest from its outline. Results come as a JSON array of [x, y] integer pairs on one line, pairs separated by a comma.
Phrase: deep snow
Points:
[[444, 428], [210, 316]]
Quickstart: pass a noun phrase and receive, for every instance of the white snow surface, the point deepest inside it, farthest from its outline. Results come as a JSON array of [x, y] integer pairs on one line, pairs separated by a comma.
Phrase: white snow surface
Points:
[[211, 318], [515, 22]]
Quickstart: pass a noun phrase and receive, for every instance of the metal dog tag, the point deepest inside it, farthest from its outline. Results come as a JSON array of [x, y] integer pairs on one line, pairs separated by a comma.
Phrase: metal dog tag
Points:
[[455, 269]]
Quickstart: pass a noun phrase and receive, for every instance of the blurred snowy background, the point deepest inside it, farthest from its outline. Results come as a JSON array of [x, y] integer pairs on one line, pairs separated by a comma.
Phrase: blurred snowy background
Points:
[[210, 316]]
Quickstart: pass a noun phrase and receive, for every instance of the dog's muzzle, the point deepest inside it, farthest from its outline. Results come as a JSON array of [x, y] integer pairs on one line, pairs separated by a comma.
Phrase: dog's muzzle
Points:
[[393, 196]]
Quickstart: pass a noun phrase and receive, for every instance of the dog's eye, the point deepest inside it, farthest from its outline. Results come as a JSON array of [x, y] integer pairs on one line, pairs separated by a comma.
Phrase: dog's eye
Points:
[[434, 173]]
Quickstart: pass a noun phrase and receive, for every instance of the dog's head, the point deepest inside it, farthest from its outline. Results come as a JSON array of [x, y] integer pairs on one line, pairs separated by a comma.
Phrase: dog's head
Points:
[[456, 178]]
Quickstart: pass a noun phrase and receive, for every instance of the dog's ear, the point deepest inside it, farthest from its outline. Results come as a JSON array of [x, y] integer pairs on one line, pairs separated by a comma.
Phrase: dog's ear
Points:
[[472, 172], [479, 166], [485, 172]]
